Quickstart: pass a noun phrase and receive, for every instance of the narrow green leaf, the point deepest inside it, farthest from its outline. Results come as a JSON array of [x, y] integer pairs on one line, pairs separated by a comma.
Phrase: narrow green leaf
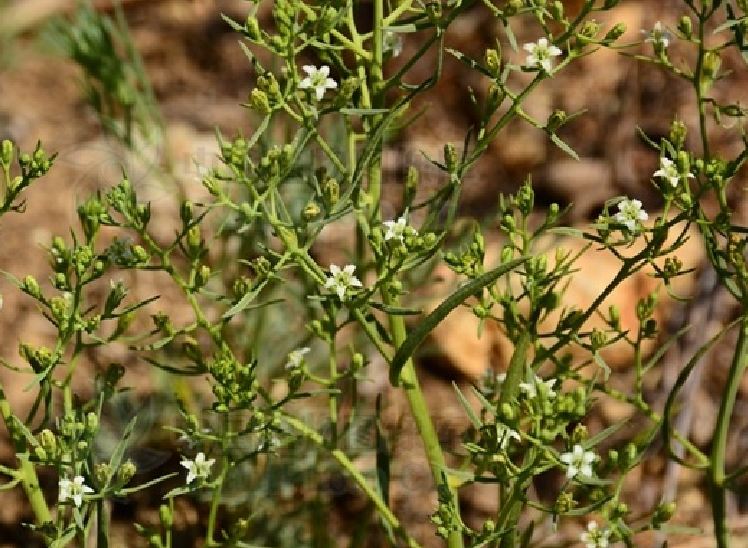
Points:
[[396, 310], [609, 431], [466, 406], [363, 111], [419, 334], [119, 451], [563, 146]]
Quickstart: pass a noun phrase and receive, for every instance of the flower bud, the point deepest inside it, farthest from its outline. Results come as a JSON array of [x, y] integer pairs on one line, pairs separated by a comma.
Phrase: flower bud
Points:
[[252, 28], [450, 157], [258, 101], [615, 33], [165, 515], [579, 434], [48, 441], [557, 11], [40, 453], [685, 26], [492, 61], [331, 191], [126, 472], [311, 211], [358, 360], [186, 211], [31, 286], [565, 503], [6, 153], [92, 423]]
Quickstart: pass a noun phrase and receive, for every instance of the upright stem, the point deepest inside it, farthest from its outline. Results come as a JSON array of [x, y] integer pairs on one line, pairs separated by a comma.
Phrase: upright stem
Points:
[[717, 474], [26, 470]]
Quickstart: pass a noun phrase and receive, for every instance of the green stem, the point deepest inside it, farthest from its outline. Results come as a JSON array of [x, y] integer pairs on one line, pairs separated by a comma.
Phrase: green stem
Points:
[[717, 473], [345, 462], [26, 471]]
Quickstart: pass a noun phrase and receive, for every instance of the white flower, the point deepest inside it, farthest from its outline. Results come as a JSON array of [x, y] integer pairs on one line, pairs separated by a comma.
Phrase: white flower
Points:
[[668, 170], [341, 281], [395, 229], [630, 213], [391, 42], [531, 388], [504, 434], [318, 79], [198, 468], [74, 489], [658, 35], [594, 537], [295, 357], [578, 461], [541, 54]]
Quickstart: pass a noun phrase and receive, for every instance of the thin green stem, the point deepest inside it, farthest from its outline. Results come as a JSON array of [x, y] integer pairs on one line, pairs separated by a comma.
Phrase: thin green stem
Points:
[[346, 463], [717, 473], [26, 471]]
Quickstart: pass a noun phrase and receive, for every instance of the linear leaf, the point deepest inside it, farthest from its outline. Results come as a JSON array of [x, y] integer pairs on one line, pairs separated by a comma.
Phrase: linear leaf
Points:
[[419, 334]]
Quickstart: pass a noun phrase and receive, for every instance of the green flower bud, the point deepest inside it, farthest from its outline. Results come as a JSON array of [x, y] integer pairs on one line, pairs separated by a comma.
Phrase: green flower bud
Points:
[[579, 434], [126, 472], [598, 339], [154, 541], [712, 63], [565, 503], [102, 473], [165, 516], [186, 211], [507, 253], [40, 453], [311, 211], [261, 266], [252, 27], [429, 239], [6, 153], [141, 255], [451, 158], [492, 61], [194, 239], [615, 33], [82, 446], [480, 311], [685, 26], [258, 101], [31, 286], [48, 441], [92, 423], [496, 96], [202, 276], [590, 29], [331, 191], [663, 513]]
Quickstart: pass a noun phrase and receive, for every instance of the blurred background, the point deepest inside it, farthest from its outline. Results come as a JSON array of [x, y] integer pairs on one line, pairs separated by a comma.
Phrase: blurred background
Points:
[[193, 79]]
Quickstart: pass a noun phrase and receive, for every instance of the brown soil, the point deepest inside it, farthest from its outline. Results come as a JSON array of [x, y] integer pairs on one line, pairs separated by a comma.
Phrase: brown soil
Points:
[[200, 77]]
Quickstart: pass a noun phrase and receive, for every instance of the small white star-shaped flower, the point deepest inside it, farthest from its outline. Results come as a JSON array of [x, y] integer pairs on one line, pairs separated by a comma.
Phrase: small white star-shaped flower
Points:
[[341, 281], [630, 213], [541, 54], [318, 79], [295, 357], [74, 489], [578, 461], [658, 35], [594, 537], [668, 170], [531, 388], [198, 468], [395, 229]]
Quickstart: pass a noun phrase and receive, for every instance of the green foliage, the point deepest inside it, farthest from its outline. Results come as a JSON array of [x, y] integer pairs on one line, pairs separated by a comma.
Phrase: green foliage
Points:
[[266, 331]]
